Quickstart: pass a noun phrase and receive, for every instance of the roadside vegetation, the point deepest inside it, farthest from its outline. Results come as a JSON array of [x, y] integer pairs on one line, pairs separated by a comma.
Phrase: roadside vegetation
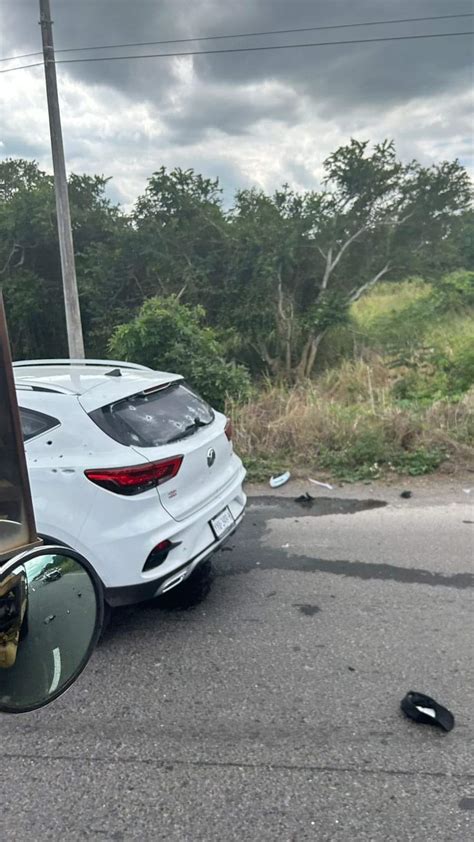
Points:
[[400, 400], [335, 326]]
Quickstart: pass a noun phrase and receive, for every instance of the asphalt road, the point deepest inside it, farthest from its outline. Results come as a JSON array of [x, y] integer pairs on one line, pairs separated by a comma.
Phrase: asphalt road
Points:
[[271, 710]]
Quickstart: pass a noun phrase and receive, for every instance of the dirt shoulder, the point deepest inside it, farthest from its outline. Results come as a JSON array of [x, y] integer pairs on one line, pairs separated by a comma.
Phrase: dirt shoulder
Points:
[[432, 489]]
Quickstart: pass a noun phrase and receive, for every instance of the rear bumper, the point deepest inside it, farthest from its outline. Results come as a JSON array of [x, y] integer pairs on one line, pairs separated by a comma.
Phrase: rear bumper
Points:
[[133, 594]]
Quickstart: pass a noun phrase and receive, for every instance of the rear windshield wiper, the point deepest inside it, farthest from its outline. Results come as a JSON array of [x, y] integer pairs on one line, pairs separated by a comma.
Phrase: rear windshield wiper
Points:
[[189, 430]]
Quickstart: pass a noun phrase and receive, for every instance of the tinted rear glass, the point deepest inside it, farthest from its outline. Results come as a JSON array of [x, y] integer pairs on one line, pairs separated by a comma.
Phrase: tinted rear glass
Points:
[[35, 423], [156, 418]]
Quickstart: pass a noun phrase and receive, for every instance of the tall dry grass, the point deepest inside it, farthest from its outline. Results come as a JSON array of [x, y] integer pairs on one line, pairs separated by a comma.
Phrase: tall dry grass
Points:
[[347, 422]]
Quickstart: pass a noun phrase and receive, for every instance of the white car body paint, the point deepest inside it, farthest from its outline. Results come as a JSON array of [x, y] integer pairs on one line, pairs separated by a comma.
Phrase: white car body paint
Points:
[[117, 533]]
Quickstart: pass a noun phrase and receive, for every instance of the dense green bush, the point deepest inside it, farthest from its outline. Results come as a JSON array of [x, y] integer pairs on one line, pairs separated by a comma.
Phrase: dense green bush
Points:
[[454, 292], [170, 336]]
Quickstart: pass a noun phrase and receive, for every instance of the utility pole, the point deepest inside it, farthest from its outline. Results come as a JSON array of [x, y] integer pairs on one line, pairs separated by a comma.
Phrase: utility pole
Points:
[[66, 247]]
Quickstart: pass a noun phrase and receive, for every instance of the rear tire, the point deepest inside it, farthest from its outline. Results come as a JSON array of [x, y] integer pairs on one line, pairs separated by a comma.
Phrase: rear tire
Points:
[[191, 592]]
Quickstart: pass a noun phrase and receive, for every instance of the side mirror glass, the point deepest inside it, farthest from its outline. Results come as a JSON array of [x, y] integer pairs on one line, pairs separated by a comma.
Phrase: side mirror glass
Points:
[[51, 610]]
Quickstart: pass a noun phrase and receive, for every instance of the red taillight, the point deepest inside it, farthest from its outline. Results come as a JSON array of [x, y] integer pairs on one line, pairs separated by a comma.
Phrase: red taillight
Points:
[[137, 478], [229, 430]]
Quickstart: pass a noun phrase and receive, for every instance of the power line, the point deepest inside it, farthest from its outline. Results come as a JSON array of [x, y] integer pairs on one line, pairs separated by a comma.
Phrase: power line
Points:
[[246, 49], [246, 34]]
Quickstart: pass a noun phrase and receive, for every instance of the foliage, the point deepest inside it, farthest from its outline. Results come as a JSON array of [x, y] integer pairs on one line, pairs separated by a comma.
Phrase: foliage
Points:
[[170, 336], [425, 333], [277, 274], [325, 428], [30, 270], [366, 286]]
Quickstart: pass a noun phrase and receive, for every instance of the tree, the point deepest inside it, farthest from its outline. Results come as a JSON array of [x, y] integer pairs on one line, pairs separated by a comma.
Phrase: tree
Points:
[[299, 261], [181, 234], [30, 270], [274, 272]]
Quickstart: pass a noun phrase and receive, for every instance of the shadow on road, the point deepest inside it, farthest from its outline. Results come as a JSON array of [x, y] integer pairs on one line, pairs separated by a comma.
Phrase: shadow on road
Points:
[[185, 597]]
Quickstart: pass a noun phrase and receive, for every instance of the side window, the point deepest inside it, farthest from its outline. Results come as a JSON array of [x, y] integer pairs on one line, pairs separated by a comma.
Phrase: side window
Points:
[[34, 423]]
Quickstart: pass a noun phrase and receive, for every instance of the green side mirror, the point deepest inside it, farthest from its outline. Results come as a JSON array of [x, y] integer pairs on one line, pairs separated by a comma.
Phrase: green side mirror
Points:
[[51, 611]]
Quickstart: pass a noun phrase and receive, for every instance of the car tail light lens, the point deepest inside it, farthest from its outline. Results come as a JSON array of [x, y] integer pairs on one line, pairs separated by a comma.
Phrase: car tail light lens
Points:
[[137, 478], [229, 430]]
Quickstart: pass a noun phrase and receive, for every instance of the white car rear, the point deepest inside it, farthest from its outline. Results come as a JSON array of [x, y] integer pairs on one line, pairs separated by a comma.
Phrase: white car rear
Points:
[[129, 467]]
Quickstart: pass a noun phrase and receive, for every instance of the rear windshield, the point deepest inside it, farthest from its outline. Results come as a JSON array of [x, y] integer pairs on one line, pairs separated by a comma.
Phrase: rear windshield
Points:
[[159, 417]]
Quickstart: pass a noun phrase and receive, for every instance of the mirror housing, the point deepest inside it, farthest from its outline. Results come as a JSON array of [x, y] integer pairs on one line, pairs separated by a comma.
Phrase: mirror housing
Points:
[[51, 614]]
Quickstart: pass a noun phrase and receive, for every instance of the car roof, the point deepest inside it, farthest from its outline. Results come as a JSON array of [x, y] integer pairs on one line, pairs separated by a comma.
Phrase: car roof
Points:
[[97, 382]]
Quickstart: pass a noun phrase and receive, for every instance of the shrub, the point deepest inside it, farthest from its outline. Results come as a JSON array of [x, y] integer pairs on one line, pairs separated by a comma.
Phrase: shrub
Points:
[[171, 336]]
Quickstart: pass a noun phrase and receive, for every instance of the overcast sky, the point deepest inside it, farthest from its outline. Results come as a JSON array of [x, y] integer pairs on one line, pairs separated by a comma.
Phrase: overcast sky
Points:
[[258, 118]]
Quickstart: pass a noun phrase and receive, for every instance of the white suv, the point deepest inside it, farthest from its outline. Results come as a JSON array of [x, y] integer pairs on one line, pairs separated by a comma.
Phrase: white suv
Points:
[[131, 468]]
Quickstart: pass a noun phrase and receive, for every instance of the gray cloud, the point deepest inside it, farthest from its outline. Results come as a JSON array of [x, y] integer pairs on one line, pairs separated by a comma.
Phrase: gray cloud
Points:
[[214, 106], [251, 118], [331, 78]]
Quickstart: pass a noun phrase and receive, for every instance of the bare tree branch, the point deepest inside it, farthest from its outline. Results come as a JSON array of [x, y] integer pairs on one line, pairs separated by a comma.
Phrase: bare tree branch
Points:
[[313, 351], [328, 269], [134, 278], [286, 322], [263, 352], [15, 248], [344, 248], [356, 293]]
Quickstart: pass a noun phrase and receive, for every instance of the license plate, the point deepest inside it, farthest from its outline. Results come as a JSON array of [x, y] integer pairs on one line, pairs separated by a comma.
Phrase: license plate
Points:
[[222, 523]]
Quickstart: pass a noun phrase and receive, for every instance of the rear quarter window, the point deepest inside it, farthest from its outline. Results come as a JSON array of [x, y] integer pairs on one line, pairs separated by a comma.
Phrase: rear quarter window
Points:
[[156, 417], [34, 423]]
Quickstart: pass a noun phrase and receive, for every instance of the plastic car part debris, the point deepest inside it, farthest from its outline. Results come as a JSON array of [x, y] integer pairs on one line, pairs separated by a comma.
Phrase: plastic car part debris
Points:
[[305, 499], [276, 482], [322, 484], [426, 711], [406, 494]]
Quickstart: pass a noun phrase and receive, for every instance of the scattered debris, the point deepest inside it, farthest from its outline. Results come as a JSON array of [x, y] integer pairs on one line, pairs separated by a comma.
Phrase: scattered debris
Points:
[[467, 490], [467, 803], [468, 521], [322, 484], [227, 549], [285, 546], [276, 482], [49, 619], [351, 669], [406, 494], [307, 609], [426, 711], [305, 499]]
